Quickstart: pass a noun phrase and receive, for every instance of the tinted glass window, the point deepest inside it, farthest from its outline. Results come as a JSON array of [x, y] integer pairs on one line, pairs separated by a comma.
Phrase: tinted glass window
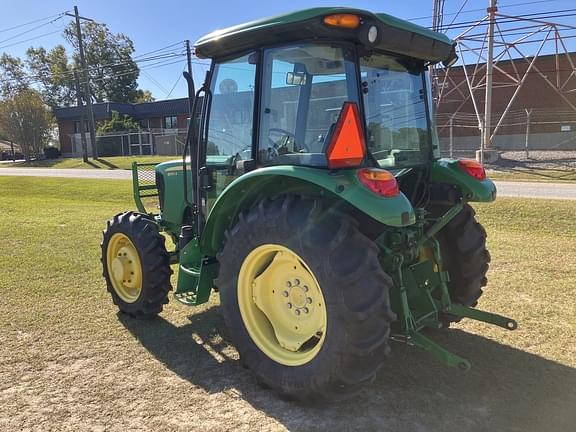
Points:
[[231, 114], [303, 89], [396, 117]]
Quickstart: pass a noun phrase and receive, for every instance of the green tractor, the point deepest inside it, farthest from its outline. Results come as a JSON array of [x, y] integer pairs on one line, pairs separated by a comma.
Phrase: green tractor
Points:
[[312, 197]]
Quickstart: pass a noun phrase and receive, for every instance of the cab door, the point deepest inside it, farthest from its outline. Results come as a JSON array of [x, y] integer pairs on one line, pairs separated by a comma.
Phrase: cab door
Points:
[[230, 124]]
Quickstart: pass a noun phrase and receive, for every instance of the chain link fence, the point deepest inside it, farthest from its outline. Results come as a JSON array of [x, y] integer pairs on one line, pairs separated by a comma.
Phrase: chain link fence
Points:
[[164, 142], [527, 130]]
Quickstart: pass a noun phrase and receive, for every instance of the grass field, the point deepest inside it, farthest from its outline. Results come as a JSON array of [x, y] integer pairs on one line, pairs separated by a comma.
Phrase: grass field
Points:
[[69, 362], [116, 162]]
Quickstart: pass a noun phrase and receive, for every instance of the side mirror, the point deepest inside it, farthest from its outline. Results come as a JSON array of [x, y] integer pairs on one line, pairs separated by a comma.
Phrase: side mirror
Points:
[[205, 177], [296, 78]]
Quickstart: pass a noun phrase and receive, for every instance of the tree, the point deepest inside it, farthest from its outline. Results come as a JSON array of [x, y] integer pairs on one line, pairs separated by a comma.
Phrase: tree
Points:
[[26, 120], [13, 75], [54, 74], [141, 96], [113, 72], [118, 124]]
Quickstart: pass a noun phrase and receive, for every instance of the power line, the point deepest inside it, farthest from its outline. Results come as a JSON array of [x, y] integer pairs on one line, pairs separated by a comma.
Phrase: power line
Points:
[[484, 9], [175, 84], [524, 42], [457, 13], [109, 65], [533, 16], [31, 30], [159, 49], [154, 81], [32, 22], [30, 39]]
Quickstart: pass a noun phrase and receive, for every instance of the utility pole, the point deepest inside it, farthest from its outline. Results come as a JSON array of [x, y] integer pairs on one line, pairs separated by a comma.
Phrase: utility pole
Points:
[[528, 115], [82, 118], [86, 75], [12, 150], [451, 136], [190, 90], [486, 144]]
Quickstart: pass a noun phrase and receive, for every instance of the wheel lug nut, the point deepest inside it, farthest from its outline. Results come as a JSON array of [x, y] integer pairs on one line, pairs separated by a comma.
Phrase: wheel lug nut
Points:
[[305, 288], [308, 300], [296, 282], [288, 284], [297, 311], [305, 310], [285, 293], [289, 305]]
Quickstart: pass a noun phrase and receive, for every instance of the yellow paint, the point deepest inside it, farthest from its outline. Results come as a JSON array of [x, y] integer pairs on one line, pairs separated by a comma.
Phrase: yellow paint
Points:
[[124, 267], [427, 254], [282, 305]]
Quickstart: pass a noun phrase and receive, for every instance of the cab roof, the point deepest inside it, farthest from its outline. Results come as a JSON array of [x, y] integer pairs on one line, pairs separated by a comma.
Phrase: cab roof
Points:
[[396, 35]]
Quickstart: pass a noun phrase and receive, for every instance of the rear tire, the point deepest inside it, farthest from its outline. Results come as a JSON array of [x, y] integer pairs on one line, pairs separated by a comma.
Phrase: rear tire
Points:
[[355, 289], [136, 265], [465, 257]]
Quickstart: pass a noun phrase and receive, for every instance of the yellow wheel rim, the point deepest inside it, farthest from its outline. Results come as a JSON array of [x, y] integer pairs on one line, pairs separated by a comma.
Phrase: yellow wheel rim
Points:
[[124, 268], [282, 305]]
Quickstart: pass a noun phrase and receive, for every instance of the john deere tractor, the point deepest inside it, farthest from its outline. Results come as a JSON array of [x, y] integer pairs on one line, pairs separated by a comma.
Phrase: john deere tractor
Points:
[[312, 197]]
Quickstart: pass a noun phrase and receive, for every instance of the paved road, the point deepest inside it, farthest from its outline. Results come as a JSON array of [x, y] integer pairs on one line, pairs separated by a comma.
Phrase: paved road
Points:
[[565, 191], [505, 189], [70, 173]]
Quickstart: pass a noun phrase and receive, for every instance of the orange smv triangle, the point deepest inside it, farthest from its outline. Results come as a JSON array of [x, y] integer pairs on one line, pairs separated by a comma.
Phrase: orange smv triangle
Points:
[[347, 147]]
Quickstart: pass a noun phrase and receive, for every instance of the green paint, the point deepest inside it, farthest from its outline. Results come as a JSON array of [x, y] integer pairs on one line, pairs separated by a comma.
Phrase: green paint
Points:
[[448, 171], [428, 45], [409, 250], [341, 186], [136, 189]]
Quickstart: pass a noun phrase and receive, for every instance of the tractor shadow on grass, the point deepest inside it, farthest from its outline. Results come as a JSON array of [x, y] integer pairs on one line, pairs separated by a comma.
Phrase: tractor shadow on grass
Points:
[[506, 390]]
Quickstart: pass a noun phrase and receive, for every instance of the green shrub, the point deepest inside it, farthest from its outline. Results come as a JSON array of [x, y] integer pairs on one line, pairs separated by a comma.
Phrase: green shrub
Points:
[[52, 152]]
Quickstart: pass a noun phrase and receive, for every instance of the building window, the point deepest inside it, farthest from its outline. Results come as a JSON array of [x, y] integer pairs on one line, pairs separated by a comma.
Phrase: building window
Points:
[[170, 122], [77, 126]]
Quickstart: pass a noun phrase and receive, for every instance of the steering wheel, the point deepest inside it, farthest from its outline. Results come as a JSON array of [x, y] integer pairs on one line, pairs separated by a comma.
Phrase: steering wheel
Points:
[[287, 135]]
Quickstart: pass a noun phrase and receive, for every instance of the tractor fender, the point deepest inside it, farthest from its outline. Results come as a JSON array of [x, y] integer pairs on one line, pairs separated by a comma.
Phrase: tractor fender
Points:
[[259, 184], [448, 171]]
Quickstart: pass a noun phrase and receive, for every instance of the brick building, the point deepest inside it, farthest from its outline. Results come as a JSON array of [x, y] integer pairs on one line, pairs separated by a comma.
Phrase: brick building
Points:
[[157, 119], [547, 102]]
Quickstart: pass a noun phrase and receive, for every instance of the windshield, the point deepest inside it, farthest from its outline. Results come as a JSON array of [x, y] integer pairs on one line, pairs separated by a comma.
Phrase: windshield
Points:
[[395, 109]]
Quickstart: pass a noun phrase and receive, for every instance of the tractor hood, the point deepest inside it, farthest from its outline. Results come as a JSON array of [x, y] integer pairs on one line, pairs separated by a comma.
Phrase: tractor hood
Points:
[[394, 35]]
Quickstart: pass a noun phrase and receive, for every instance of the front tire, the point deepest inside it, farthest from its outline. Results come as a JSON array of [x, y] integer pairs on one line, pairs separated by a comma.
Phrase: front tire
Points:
[[136, 265], [305, 299]]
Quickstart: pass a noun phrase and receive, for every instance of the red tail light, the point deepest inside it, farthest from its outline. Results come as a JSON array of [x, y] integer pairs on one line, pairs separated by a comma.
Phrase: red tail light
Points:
[[379, 181], [472, 168], [347, 147]]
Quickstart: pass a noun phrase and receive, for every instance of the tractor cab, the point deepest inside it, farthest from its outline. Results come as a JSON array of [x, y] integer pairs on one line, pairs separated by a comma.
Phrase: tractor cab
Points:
[[311, 195], [277, 87]]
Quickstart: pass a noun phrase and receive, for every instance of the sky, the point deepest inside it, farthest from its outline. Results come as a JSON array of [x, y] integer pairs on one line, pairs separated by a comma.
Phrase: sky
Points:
[[156, 24]]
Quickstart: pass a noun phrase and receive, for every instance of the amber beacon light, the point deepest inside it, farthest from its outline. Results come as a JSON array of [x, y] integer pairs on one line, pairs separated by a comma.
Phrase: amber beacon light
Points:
[[349, 21]]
